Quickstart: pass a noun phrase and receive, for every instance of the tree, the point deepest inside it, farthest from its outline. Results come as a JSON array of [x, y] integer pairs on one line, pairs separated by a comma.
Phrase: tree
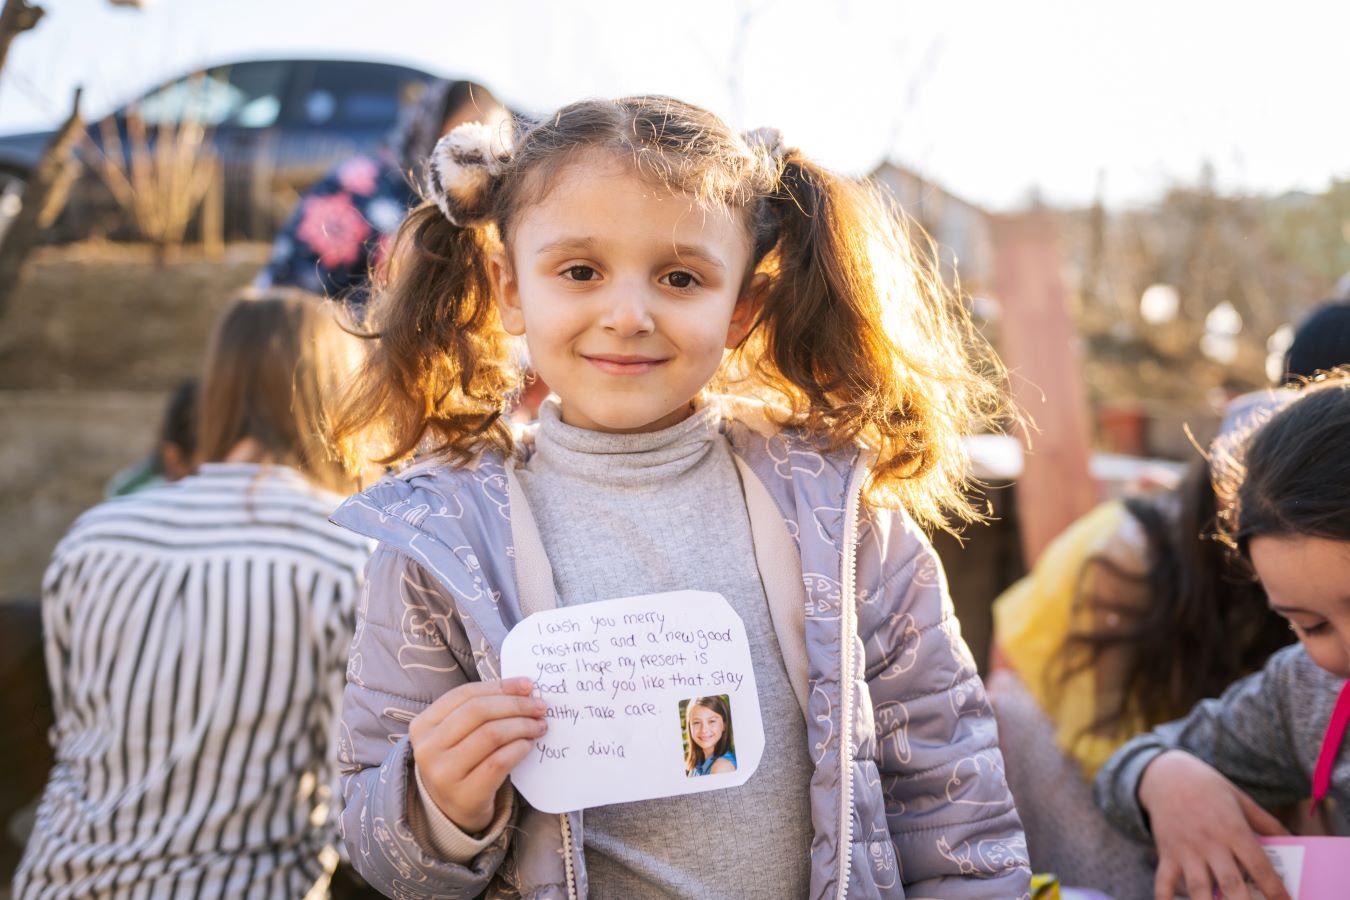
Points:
[[45, 193], [17, 17]]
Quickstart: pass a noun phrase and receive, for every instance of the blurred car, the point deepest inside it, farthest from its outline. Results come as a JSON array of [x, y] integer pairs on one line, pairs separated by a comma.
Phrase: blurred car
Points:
[[276, 126]]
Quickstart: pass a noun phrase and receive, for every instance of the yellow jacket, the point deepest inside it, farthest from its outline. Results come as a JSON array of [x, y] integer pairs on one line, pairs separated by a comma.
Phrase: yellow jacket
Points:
[[1103, 557]]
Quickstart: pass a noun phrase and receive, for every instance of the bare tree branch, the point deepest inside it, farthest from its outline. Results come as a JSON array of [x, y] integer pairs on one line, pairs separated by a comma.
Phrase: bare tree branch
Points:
[[16, 18], [49, 174]]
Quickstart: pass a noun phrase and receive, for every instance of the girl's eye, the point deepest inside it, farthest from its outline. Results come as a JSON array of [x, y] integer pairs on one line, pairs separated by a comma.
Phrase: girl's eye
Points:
[[680, 280], [1319, 628], [580, 273]]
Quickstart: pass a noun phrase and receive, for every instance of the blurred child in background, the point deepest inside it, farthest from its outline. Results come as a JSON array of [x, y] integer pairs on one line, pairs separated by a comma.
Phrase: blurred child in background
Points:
[[196, 637], [174, 455]]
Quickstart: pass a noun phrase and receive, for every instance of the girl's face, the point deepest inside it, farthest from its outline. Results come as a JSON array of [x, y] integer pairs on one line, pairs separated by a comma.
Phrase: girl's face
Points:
[[627, 294], [705, 728], [1308, 582]]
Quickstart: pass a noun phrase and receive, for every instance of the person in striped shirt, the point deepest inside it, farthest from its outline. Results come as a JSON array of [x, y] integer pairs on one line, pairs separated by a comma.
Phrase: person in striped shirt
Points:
[[197, 637]]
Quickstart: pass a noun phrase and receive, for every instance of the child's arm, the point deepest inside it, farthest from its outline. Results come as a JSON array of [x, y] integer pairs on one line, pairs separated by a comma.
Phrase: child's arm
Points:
[[409, 658], [1206, 830], [1246, 734], [948, 809], [1241, 744]]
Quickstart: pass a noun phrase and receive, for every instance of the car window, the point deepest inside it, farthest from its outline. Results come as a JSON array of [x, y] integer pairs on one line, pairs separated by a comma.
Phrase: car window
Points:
[[363, 95], [247, 95]]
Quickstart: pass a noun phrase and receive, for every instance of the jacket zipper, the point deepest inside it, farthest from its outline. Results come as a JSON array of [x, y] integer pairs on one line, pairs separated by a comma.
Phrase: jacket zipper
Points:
[[847, 627], [568, 863]]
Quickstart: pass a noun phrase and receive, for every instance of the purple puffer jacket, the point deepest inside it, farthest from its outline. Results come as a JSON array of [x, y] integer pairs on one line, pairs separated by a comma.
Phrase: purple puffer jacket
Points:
[[913, 804]]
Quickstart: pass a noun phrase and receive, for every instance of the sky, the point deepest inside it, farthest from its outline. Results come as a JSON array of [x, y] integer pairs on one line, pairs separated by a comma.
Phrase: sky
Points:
[[997, 101]]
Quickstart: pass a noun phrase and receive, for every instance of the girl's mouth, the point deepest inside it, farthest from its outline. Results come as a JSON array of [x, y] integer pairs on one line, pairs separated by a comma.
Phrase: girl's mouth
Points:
[[620, 364]]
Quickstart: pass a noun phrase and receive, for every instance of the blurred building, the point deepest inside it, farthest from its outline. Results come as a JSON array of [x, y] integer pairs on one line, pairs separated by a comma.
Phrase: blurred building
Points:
[[961, 229]]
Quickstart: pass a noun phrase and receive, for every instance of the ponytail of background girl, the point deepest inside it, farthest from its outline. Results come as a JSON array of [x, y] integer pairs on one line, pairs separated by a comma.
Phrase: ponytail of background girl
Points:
[[856, 338]]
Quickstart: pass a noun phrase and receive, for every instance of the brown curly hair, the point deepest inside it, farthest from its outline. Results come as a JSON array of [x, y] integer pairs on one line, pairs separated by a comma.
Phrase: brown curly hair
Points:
[[856, 341]]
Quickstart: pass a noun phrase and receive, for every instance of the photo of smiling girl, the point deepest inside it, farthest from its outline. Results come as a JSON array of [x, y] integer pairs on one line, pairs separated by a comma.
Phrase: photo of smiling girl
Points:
[[710, 748]]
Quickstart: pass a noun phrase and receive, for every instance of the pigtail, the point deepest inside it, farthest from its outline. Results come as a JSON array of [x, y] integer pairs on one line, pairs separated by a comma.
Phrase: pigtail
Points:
[[440, 367], [866, 344]]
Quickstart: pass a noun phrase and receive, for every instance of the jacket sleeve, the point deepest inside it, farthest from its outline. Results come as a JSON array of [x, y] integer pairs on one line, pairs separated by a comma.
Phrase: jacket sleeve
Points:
[[1247, 734], [948, 808], [409, 649]]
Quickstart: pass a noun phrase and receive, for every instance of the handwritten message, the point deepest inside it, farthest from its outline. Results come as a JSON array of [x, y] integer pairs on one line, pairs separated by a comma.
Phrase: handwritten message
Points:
[[617, 675]]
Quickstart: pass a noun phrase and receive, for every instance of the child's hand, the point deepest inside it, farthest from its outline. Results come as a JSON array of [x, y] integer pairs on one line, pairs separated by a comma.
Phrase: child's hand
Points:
[[466, 743], [1205, 829]]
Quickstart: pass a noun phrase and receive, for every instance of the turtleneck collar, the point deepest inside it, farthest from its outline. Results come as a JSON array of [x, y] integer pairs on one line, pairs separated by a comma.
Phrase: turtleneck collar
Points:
[[628, 460]]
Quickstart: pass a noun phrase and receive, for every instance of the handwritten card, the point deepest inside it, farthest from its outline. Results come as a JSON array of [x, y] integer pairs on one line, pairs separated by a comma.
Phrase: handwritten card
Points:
[[649, 696]]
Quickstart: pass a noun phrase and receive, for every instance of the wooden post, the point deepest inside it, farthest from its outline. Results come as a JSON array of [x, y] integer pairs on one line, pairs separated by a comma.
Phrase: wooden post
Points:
[[1038, 342]]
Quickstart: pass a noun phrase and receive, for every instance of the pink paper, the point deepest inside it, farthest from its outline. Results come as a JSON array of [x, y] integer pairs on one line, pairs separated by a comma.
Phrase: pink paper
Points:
[[1313, 868]]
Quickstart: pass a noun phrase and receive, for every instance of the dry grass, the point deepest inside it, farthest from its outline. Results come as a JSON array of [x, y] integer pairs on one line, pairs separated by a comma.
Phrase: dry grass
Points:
[[165, 176]]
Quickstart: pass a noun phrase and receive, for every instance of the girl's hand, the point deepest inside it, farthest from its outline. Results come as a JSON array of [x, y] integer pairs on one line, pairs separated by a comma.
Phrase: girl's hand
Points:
[[468, 741], [1205, 829]]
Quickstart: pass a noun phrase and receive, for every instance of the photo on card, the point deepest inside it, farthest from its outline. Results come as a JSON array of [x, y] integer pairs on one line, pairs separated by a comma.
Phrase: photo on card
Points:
[[708, 739]]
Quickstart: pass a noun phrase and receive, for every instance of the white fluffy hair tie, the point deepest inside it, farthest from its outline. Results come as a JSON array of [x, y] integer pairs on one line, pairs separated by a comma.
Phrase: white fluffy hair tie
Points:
[[462, 168], [768, 146]]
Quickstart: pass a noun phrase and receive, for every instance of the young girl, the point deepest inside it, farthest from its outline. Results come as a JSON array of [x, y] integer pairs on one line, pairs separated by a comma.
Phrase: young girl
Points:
[[631, 242], [196, 637], [711, 746], [1276, 736]]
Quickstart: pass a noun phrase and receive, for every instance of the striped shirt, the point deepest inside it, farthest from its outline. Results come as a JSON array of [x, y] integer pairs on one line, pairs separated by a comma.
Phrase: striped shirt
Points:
[[196, 638]]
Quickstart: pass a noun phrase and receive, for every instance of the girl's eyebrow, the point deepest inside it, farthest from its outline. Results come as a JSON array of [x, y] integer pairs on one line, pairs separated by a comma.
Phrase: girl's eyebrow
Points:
[[1295, 611], [584, 244], [568, 244], [699, 252]]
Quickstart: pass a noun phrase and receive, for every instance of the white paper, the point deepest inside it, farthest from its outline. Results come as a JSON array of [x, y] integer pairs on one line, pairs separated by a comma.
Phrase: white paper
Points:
[[615, 673]]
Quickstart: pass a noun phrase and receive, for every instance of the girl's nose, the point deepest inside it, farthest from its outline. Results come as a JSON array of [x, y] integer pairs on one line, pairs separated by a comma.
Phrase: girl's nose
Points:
[[628, 314]]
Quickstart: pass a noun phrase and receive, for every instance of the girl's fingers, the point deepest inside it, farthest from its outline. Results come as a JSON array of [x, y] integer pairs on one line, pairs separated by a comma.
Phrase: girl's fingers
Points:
[[489, 774], [1165, 880], [456, 697], [477, 713], [1198, 884], [1227, 877], [455, 764], [1261, 821], [1250, 853], [1258, 866]]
